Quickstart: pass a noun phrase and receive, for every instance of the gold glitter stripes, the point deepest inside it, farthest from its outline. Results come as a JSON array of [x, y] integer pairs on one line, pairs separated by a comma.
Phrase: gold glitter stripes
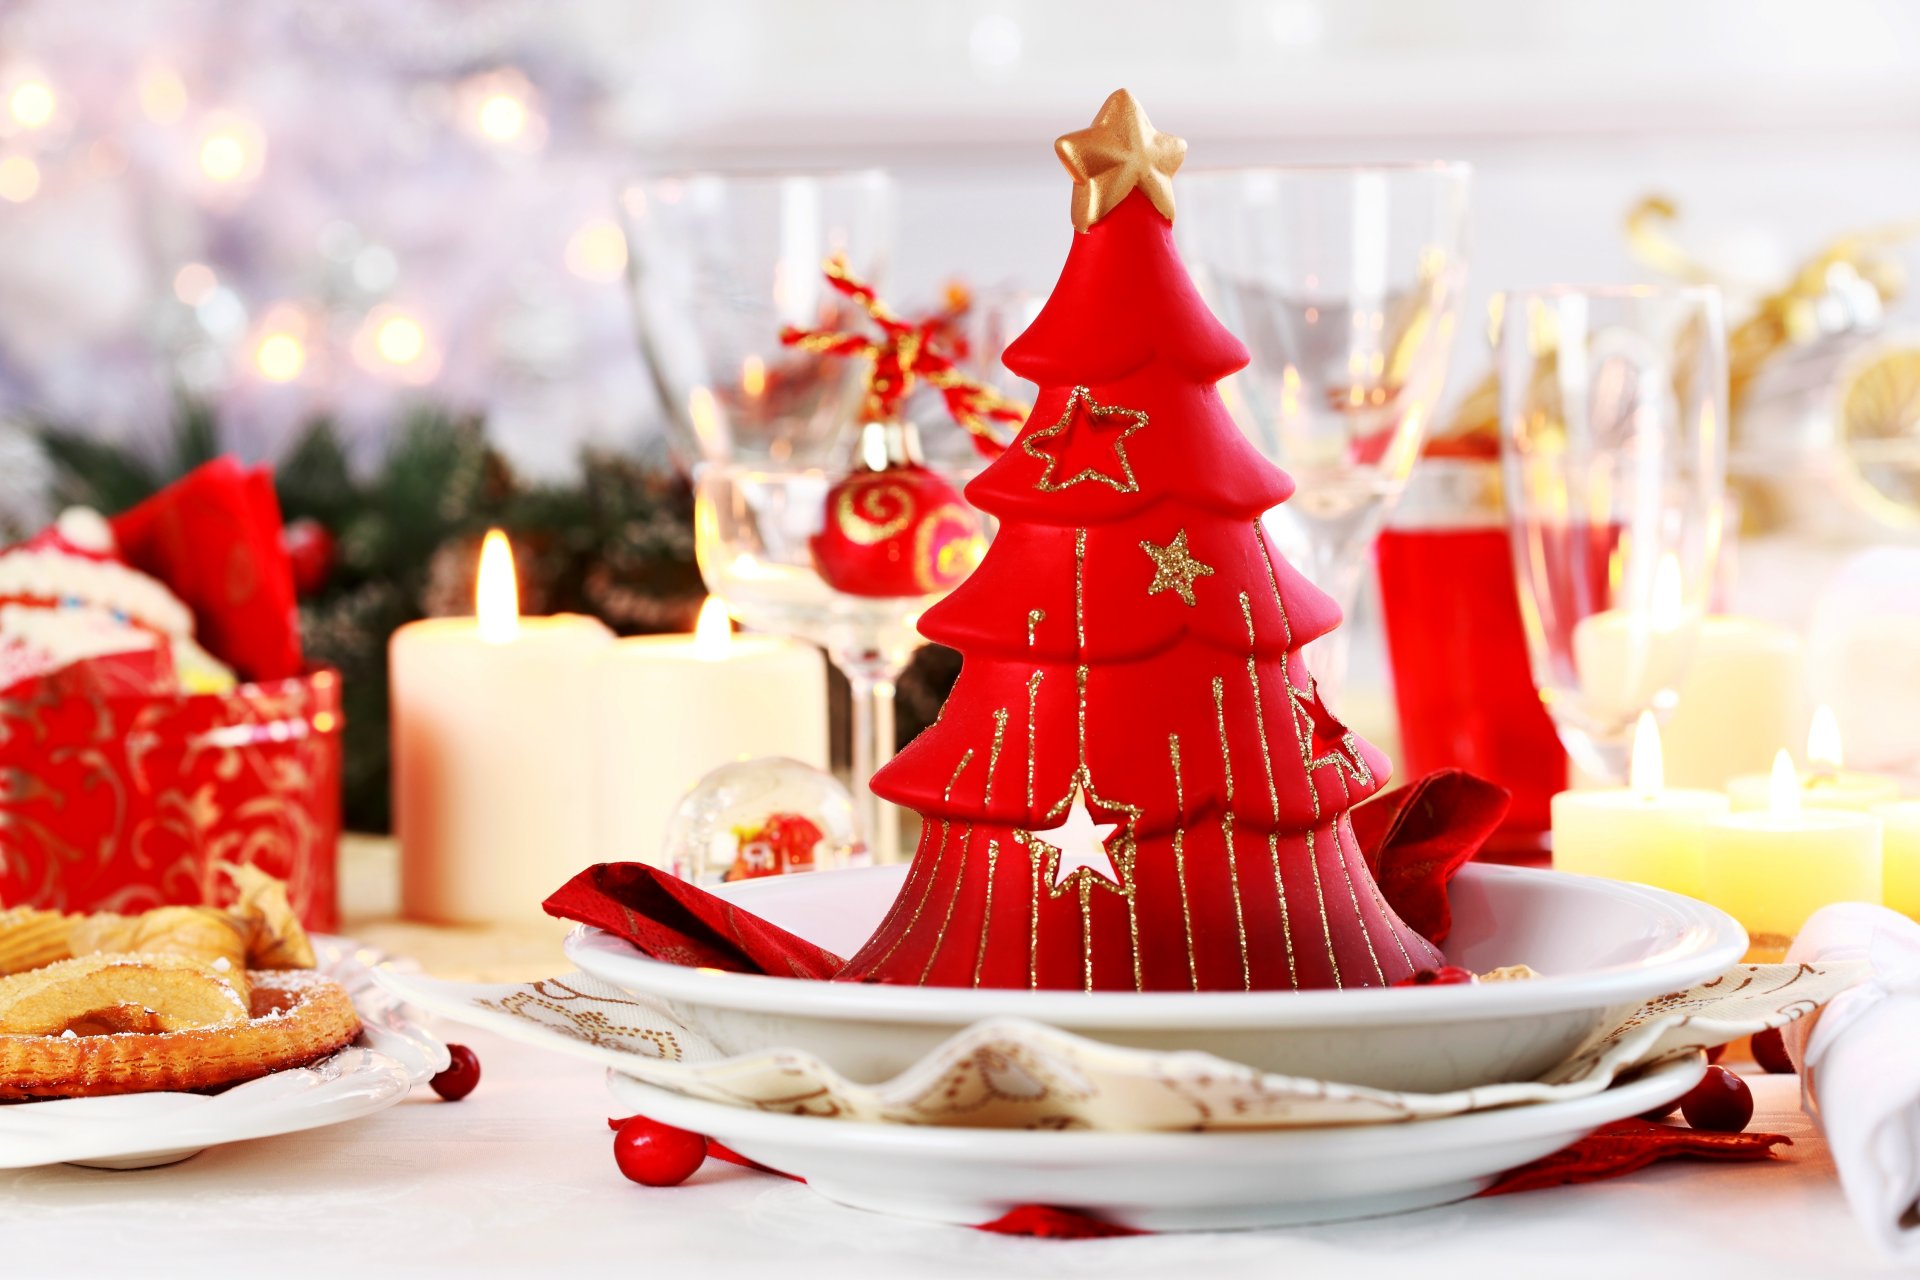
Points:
[[1034, 618], [1305, 743], [1226, 830], [1033, 694], [1086, 931], [1273, 790], [1386, 915], [926, 891], [965, 760], [940, 938], [1080, 683], [1180, 853], [993, 755], [1366, 934], [1080, 586], [1033, 925], [980, 956]]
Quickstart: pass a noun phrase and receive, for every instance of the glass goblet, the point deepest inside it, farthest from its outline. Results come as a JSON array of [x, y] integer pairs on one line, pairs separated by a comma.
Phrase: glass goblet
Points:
[[718, 265], [1343, 283], [754, 532], [1613, 442]]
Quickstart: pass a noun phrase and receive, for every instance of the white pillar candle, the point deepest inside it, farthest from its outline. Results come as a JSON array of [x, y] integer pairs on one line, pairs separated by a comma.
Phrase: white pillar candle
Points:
[[1628, 660], [1900, 862], [671, 708], [1645, 832], [492, 753], [1771, 869], [1824, 784], [1741, 697]]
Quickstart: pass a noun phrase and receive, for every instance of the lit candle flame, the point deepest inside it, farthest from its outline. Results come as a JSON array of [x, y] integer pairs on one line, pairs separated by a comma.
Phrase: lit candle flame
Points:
[[713, 633], [1823, 742], [1646, 774], [1669, 601], [496, 591], [1783, 787]]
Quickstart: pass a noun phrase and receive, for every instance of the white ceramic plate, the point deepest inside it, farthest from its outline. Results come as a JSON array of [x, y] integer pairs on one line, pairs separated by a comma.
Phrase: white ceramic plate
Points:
[[1158, 1181], [1603, 947], [140, 1130]]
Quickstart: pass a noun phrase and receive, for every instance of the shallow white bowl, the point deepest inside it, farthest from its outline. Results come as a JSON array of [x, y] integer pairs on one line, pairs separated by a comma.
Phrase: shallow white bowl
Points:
[[1158, 1181], [1604, 948]]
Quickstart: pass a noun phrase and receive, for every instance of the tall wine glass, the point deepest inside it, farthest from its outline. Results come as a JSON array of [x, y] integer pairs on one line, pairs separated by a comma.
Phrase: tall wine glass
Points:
[[1613, 442], [754, 532], [1344, 284], [718, 265]]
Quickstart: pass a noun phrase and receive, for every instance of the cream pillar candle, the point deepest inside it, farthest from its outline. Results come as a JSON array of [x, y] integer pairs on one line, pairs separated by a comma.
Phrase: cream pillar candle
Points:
[[492, 753], [1824, 784], [1629, 660], [1900, 860], [1741, 697], [1771, 869], [671, 708], [1644, 832]]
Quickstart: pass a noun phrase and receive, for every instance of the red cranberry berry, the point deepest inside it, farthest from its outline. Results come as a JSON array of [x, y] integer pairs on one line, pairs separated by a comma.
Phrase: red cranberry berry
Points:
[[1446, 975], [1721, 1102], [1770, 1051], [657, 1155], [461, 1075]]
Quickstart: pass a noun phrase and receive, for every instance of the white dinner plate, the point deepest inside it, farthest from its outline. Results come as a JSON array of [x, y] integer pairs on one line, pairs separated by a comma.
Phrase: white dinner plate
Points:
[[1158, 1181], [1602, 948], [140, 1130]]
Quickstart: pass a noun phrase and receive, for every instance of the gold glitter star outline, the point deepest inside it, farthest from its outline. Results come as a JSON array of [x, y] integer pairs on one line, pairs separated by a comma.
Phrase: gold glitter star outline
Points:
[[1119, 152], [1347, 756], [1174, 568], [1119, 846], [1081, 396]]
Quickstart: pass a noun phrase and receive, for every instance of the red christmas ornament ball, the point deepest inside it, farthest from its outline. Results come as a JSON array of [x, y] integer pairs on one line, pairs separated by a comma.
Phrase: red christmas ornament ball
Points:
[[903, 531], [1770, 1051], [1721, 1102], [461, 1075], [655, 1154], [311, 550]]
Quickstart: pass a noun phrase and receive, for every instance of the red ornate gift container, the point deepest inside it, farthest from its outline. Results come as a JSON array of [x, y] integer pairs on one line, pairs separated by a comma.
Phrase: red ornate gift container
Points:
[[1461, 680], [120, 801]]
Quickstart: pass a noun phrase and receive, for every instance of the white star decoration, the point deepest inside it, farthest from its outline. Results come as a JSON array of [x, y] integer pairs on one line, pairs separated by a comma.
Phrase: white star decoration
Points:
[[1081, 842]]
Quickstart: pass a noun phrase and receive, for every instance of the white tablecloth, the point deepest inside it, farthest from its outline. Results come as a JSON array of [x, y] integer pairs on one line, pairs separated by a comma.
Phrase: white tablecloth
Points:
[[519, 1180]]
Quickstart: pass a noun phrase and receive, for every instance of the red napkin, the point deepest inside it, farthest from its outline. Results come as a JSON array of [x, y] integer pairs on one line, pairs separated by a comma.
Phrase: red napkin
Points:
[[1415, 838], [681, 923], [1610, 1151], [213, 537]]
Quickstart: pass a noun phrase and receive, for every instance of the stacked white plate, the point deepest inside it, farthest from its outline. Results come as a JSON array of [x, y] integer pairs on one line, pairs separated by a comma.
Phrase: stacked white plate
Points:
[[1602, 948]]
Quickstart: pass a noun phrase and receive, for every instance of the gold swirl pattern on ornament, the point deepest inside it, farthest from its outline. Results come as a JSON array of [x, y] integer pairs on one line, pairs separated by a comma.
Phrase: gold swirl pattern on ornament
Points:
[[871, 512]]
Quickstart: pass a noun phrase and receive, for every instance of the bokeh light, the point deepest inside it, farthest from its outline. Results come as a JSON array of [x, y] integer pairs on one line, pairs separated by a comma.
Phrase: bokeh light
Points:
[[597, 251], [232, 150], [502, 117], [31, 104], [280, 357], [19, 179], [193, 282], [163, 95]]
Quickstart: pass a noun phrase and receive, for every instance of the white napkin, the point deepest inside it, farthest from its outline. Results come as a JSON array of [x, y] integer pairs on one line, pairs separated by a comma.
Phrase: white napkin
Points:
[[1859, 1062]]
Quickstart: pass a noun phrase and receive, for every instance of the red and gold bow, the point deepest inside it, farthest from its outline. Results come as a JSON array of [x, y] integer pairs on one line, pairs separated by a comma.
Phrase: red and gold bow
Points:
[[907, 350]]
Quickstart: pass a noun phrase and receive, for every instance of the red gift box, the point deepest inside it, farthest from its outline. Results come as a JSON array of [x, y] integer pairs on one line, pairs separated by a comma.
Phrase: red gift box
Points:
[[120, 801]]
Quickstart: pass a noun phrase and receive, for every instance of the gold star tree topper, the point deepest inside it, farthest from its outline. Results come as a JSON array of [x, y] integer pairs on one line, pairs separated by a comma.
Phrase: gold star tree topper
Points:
[[1119, 151]]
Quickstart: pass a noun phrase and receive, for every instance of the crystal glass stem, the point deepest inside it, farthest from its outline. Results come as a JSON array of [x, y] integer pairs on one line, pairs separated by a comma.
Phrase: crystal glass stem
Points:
[[872, 678]]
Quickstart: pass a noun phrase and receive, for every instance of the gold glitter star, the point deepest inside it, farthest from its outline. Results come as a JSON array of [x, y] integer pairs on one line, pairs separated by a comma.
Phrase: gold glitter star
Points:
[[1119, 151], [1174, 569], [1080, 401]]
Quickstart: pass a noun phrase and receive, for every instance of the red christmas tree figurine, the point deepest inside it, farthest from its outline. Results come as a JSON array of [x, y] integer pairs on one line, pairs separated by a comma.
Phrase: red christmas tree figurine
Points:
[[1135, 785]]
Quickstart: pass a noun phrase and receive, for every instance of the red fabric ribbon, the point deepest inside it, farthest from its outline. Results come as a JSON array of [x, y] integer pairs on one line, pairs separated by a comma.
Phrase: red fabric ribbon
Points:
[[213, 537], [1416, 839]]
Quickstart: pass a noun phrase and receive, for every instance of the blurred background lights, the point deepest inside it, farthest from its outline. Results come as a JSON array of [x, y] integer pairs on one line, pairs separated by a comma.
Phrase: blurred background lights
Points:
[[399, 339], [232, 150], [396, 344], [280, 357], [19, 179], [502, 116], [31, 104], [501, 107], [597, 251], [193, 282], [163, 95]]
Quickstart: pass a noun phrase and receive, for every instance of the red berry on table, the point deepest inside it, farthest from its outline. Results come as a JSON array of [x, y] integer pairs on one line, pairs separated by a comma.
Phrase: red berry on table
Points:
[[655, 1154], [461, 1075], [1770, 1051], [1721, 1102], [1446, 975], [311, 551]]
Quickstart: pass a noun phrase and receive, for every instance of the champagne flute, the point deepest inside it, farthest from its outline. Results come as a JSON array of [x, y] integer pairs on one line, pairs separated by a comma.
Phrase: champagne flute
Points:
[[1613, 441]]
